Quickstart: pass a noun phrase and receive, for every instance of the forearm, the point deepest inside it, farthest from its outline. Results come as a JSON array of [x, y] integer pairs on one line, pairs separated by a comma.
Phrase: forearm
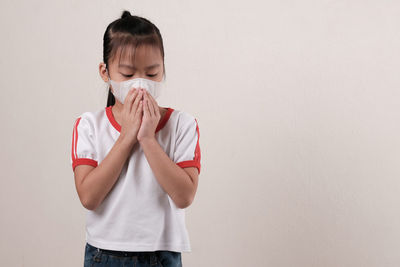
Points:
[[98, 183], [172, 178]]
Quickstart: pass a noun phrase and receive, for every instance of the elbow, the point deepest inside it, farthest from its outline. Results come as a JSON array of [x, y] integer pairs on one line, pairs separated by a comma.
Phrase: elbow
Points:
[[89, 206], [185, 199], [88, 203], [184, 202], [86, 199]]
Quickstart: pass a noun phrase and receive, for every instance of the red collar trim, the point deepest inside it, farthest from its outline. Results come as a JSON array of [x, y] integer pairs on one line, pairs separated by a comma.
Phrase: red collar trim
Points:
[[160, 125]]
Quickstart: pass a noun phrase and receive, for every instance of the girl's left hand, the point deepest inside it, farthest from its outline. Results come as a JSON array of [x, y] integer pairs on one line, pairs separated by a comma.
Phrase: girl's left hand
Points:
[[150, 119]]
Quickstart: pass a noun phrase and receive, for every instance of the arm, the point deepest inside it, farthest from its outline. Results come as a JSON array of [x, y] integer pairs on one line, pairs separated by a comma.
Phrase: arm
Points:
[[180, 184], [94, 183]]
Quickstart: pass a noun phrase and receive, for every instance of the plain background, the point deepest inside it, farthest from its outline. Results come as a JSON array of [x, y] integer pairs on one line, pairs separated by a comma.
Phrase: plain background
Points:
[[298, 110]]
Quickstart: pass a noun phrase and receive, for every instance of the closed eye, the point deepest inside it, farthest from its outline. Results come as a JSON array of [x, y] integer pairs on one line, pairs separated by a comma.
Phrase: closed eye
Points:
[[127, 76]]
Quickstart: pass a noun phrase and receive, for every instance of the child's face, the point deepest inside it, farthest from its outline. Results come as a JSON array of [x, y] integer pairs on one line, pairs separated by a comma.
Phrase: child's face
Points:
[[148, 64]]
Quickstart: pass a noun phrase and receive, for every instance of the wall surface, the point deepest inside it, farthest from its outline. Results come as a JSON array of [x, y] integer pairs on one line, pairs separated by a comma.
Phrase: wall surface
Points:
[[298, 110]]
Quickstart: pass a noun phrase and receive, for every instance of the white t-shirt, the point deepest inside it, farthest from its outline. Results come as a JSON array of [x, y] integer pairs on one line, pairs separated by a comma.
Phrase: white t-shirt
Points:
[[137, 214]]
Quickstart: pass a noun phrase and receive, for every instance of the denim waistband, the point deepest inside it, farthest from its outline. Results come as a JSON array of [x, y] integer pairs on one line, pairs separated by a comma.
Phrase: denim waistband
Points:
[[139, 254]]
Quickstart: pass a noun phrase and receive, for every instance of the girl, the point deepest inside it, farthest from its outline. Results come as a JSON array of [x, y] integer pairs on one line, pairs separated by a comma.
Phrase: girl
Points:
[[135, 164]]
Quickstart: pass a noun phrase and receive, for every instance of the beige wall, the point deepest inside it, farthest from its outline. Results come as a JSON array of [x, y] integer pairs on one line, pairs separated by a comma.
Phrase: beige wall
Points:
[[298, 110]]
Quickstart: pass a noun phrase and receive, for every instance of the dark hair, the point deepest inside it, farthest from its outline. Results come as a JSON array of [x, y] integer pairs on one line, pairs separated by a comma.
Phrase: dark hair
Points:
[[129, 31]]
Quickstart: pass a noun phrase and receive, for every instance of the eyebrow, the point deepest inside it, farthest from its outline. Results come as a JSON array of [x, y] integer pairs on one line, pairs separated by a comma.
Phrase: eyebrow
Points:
[[132, 67]]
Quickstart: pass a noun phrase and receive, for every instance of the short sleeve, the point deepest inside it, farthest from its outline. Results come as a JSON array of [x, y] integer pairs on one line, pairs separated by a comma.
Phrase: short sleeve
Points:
[[83, 144], [187, 147]]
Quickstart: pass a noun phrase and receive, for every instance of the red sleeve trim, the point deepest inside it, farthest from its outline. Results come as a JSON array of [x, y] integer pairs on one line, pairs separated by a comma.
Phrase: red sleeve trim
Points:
[[83, 161], [75, 160], [75, 139], [197, 155], [189, 163]]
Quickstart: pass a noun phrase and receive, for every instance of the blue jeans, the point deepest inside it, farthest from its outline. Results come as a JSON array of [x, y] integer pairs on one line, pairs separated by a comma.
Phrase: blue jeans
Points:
[[109, 258]]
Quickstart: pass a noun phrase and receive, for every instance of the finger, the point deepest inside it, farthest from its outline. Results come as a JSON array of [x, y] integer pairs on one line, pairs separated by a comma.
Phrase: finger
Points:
[[138, 97], [128, 99], [155, 105], [146, 108], [139, 109], [149, 104]]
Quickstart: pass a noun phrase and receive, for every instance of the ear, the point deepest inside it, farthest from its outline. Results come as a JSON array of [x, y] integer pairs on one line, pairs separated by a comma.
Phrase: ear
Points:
[[103, 71]]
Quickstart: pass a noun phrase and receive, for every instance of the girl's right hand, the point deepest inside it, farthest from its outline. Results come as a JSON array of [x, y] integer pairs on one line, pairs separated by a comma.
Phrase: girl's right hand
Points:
[[132, 113]]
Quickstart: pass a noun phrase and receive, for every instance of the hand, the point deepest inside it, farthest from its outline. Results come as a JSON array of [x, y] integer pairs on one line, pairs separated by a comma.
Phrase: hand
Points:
[[151, 118], [132, 113]]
